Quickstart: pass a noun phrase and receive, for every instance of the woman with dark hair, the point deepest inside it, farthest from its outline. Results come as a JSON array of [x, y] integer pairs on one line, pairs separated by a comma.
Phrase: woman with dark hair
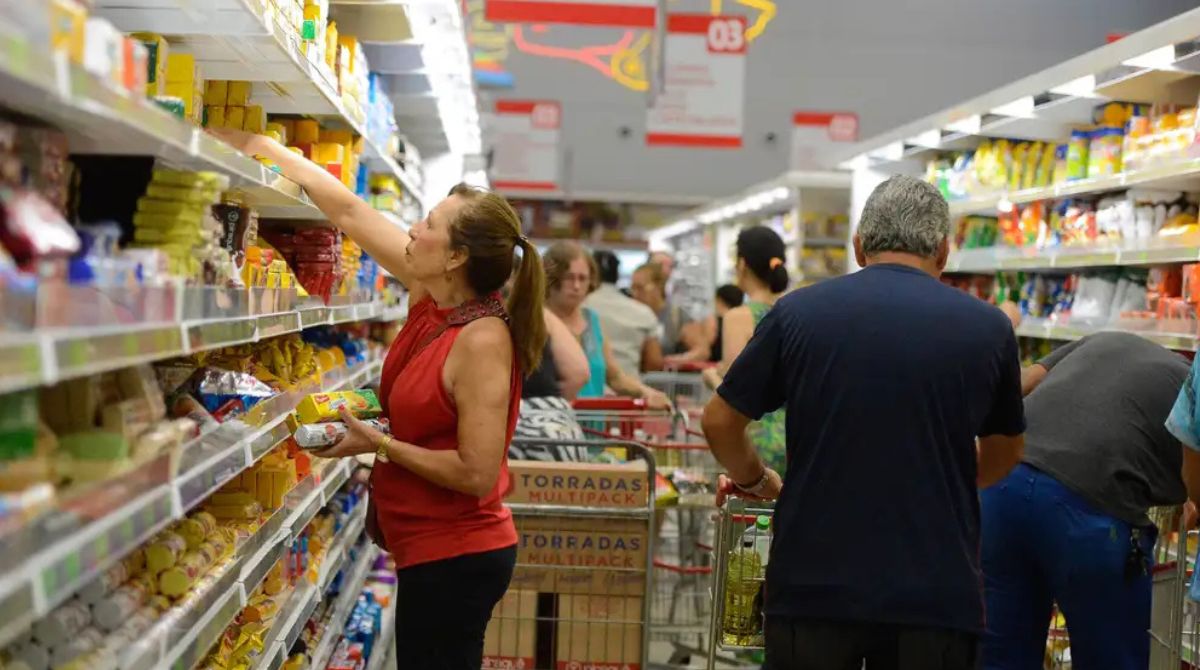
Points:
[[727, 297], [451, 388], [762, 277]]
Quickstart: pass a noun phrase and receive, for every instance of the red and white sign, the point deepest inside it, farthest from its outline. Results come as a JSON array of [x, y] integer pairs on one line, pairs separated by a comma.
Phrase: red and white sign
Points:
[[702, 101], [619, 13], [526, 146], [817, 138]]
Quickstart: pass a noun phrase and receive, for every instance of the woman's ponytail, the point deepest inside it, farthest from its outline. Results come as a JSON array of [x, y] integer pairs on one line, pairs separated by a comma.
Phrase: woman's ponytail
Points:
[[778, 280], [526, 318]]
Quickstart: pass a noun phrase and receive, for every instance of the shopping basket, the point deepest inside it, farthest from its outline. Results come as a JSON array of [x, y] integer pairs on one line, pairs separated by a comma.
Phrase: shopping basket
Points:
[[743, 539]]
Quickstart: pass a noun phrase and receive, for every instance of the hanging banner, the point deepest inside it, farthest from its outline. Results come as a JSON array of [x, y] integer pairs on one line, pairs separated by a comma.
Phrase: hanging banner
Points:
[[702, 101], [526, 145], [617, 13], [818, 138]]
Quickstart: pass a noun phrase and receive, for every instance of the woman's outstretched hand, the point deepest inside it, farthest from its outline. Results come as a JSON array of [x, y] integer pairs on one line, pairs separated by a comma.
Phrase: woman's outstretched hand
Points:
[[359, 439], [247, 143]]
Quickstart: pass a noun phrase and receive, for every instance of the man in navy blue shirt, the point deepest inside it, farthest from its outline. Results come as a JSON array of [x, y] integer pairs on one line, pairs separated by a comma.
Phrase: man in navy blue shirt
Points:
[[903, 397]]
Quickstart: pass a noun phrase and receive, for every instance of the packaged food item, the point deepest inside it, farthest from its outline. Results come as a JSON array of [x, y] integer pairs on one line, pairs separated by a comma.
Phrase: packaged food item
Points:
[[110, 612], [79, 644], [57, 627], [1077, 154], [197, 528], [329, 433], [156, 63], [238, 93], [106, 583], [217, 387], [318, 407], [164, 551], [68, 19], [178, 579]]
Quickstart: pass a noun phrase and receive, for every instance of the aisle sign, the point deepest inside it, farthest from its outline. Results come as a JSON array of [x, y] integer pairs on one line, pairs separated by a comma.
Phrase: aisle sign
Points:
[[703, 93], [818, 138], [617, 13], [526, 145]]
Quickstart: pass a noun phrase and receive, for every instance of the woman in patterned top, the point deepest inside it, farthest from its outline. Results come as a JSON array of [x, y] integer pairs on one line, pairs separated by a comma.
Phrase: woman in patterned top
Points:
[[763, 278]]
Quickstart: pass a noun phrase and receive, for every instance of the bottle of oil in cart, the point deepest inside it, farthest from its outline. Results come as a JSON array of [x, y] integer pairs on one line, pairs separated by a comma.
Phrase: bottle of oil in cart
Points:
[[741, 586], [762, 539]]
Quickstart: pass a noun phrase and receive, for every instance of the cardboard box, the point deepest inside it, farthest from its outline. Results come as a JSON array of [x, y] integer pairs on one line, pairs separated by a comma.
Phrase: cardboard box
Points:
[[574, 555], [580, 484], [509, 643], [598, 633]]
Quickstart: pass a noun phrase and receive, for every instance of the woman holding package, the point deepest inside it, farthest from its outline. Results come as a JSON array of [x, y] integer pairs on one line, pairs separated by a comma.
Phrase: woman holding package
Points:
[[451, 387]]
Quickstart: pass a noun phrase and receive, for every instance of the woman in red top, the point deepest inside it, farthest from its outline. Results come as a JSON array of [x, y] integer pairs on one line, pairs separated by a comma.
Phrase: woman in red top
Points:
[[451, 387]]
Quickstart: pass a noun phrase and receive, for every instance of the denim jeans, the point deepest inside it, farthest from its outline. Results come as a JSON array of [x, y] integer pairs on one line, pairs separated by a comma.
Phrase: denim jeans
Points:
[[1044, 544]]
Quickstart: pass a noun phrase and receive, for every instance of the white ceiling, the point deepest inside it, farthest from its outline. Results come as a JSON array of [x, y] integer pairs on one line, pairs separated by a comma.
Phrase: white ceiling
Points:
[[888, 60]]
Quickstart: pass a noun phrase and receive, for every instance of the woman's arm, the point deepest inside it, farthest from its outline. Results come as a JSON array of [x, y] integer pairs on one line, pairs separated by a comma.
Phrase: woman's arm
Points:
[[569, 358], [380, 238], [479, 369], [630, 386]]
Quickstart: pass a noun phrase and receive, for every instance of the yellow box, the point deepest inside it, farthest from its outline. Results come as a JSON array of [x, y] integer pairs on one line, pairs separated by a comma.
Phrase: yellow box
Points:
[[280, 130], [157, 52], [185, 93], [214, 116], [235, 117], [318, 407], [239, 93], [307, 132], [68, 21], [256, 119], [215, 93], [331, 42], [181, 68], [328, 152], [338, 136]]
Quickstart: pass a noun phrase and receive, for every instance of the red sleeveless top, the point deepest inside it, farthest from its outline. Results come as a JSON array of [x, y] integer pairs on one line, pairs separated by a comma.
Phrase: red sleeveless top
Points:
[[421, 521]]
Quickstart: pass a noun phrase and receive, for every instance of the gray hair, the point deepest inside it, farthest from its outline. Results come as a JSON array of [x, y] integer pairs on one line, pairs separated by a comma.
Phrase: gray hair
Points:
[[904, 214]]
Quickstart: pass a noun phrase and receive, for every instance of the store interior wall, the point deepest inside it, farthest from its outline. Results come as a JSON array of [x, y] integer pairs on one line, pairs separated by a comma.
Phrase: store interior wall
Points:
[[890, 62]]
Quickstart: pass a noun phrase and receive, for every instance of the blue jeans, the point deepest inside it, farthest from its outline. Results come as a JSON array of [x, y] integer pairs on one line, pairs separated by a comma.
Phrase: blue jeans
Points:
[[1043, 544]]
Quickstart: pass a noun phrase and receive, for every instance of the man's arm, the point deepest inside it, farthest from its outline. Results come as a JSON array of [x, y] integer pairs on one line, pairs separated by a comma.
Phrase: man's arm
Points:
[[998, 455], [1031, 376], [725, 429]]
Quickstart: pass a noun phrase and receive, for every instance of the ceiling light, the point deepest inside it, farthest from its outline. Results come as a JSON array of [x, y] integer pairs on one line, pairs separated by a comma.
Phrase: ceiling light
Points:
[[1161, 58], [968, 126], [930, 139], [1083, 87], [780, 193], [1021, 108]]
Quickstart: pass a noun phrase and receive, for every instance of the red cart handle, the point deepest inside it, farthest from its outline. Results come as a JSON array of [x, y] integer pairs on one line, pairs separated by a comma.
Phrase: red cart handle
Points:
[[609, 403], [683, 570]]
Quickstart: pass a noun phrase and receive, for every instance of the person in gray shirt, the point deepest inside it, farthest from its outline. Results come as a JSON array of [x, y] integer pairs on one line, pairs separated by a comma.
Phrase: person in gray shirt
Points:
[[1069, 525]]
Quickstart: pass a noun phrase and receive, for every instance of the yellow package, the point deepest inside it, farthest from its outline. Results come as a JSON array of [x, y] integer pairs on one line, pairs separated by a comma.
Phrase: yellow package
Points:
[[235, 117], [318, 407], [157, 53], [336, 136], [238, 93], [215, 93], [68, 21], [280, 130], [307, 131], [214, 116], [181, 68], [256, 120], [331, 42]]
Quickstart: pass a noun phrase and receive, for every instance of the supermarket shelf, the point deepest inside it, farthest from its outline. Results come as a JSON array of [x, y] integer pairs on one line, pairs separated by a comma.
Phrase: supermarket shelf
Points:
[[47, 562], [387, 633], [50, 355], [1053, 330], [351, 588], [825, 242], [233, 40], [102, 120], [340, 547], [394, 313], [1161, 250], [1179, 175]]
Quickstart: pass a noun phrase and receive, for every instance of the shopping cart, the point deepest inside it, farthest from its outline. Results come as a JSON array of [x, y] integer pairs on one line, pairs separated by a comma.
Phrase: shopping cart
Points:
[[1174, 624], [743, 539], [683, 383], [579, 594]]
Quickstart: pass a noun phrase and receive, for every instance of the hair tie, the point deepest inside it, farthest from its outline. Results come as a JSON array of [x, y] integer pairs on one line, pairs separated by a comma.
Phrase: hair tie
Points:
[[522, 239], [775, 262]]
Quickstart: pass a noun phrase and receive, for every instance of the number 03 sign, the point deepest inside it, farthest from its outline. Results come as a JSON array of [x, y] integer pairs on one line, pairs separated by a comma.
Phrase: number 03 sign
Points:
[[702, 101]]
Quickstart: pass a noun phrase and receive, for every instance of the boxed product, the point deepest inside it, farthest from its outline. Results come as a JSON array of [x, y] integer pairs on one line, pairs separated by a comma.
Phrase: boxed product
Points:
[[581, 484], [599, 632], [510, 638], [319, 407], [576, 555]]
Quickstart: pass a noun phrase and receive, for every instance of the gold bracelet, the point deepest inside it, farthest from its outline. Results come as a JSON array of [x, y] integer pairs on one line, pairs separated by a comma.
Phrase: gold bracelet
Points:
[[381, 446]]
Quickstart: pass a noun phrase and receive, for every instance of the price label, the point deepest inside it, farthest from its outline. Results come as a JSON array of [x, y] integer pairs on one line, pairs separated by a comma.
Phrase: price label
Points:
[[546, 116], [727, 35]]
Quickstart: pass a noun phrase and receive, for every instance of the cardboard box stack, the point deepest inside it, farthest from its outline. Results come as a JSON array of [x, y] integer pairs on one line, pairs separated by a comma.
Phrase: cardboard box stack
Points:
[[576, 598]]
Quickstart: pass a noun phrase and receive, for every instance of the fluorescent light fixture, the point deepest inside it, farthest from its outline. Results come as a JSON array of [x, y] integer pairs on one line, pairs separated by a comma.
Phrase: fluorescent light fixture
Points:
[[781, 193], [1021, 108], [893, 151], [969, 125], [1083, 87], [930, 139], [660, 235], [1161, 58]]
